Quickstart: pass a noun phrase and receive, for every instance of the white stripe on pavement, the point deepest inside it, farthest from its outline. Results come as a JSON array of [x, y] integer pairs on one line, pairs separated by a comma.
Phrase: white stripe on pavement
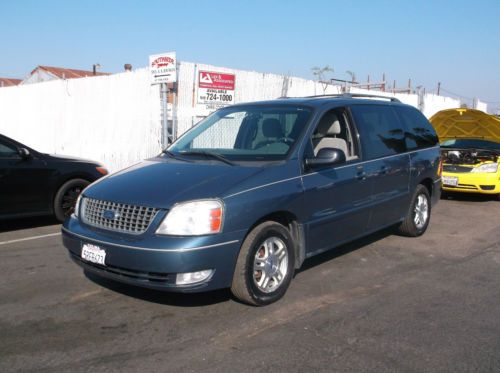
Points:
[[30, 238]]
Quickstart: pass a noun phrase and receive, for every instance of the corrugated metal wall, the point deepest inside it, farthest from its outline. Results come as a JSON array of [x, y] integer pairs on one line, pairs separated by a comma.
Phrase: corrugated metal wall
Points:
[[116, 119], [112, 119]]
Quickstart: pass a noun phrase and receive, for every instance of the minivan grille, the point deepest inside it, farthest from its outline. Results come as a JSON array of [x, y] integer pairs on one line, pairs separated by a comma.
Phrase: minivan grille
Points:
[[119, 217]]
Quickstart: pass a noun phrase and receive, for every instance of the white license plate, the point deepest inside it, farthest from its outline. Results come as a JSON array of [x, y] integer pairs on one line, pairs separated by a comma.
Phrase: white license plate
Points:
[[450, 180], [93, 253]]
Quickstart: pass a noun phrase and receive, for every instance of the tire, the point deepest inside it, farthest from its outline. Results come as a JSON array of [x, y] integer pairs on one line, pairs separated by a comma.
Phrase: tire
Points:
[[65, 199], [266, 253], [419, 214]]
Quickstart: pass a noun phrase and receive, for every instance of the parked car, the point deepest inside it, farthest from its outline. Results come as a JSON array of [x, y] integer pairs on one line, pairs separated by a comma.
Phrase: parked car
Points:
[[34, 184], [470, 146], [244, 197]]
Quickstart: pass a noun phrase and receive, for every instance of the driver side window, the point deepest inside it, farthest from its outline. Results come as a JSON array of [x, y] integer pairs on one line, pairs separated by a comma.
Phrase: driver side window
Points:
[[8, 151], [334, 131]]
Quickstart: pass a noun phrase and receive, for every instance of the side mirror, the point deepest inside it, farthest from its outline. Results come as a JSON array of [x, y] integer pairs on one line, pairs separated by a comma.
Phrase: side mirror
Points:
[[24, 153], [326, 157]]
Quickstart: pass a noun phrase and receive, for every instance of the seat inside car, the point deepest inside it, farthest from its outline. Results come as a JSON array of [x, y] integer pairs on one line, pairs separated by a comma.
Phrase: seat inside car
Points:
[[272, 132], [328, 135]]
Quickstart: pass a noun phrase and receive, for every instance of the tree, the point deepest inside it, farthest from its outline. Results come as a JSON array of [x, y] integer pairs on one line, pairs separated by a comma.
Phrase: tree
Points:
[[320, 74]]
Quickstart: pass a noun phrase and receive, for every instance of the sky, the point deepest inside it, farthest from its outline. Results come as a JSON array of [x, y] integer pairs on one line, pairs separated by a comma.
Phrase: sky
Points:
[[454, 42]]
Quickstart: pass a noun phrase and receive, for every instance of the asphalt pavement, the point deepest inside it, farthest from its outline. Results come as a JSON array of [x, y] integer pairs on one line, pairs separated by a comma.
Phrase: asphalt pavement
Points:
[[383, 303]]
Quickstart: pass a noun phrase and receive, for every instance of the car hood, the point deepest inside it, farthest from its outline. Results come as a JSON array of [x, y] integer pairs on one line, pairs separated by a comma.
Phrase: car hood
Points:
[[160, 182], [67, 158], [466, 124]]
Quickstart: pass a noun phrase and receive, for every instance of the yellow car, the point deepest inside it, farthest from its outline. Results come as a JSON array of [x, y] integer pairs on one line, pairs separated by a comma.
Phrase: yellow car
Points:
[[470, 150]]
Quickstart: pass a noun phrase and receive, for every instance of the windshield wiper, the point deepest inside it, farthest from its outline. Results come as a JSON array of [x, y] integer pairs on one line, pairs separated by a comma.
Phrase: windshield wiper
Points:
[[168, 152], [207, 154], [173, 155]]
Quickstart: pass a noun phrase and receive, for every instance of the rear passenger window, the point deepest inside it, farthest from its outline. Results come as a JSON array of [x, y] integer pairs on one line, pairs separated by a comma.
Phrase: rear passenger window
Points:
[[380, 131], [419, 132]]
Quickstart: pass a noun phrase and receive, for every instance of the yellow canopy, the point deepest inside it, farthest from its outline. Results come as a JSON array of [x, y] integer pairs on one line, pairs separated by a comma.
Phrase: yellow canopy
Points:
[[466, 124]]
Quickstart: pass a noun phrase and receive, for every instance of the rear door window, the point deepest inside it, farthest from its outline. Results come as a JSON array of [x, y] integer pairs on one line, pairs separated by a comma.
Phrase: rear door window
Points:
[[419, 133], [380, 130]]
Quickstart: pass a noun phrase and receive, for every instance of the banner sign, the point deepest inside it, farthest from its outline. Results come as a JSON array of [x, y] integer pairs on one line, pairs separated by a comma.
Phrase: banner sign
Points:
[[163, 68], [215, 90]]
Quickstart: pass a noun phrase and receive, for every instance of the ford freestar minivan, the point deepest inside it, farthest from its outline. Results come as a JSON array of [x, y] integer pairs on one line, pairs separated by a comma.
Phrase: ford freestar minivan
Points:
[[245, 196]]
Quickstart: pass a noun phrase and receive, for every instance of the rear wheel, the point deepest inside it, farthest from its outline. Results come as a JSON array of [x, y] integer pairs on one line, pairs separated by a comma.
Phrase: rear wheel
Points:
[[65, 199], [419, 214], [265, 265]]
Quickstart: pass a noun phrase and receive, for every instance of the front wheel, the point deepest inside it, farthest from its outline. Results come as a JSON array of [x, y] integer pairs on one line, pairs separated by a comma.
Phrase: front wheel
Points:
[[65, 199], [265, 265], [419, 214]]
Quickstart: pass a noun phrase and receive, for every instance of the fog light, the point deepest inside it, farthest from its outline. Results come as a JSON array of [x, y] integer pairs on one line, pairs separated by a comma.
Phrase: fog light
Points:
[[193, 277]]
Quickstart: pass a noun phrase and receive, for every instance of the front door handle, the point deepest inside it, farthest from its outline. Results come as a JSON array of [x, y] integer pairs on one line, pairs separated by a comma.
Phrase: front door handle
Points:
[[361, 175]]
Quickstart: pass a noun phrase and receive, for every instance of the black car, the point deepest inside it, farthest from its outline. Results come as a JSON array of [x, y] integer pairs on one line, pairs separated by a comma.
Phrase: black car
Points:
[[34, 184]]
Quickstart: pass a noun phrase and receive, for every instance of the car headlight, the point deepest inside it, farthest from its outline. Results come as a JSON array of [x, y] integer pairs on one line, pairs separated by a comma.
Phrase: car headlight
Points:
[[76, 211], [488, 167], [193, 218]]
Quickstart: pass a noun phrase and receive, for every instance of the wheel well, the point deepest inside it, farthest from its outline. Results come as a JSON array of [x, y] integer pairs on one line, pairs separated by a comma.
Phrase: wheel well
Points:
[[290, 221], [65, 180], [428, 184]]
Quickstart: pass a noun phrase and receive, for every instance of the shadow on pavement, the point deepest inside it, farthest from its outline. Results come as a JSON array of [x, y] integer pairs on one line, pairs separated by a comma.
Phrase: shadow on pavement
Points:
[[27, 223], [223, 295], [345, 249], [161, 297], [469, 197]]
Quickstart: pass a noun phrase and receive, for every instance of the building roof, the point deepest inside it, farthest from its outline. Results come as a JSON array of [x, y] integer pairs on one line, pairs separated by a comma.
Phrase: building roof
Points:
[[8, 82], [63, 73]]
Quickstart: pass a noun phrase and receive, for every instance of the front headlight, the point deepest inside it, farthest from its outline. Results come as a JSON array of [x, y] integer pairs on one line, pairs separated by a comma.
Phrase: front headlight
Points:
[[193, 218], [488, 167]]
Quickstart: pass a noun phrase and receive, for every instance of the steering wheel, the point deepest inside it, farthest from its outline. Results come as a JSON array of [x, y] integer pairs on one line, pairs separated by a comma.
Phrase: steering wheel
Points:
[[286, 140]]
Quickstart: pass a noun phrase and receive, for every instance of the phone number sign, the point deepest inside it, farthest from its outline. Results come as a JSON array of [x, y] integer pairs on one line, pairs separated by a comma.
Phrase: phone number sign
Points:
[[215, 90]]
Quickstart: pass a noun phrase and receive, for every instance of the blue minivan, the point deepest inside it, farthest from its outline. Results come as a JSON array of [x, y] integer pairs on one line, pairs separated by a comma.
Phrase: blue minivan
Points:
[[245, 196]]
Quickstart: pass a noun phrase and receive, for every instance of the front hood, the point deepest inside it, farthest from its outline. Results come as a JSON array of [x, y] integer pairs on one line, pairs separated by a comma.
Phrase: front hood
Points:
[[67, 158], [160, 182], [466, 124]]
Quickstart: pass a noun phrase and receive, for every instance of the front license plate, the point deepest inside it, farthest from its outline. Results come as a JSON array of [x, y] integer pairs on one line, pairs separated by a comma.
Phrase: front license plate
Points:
[[93, 253], [450, 180]]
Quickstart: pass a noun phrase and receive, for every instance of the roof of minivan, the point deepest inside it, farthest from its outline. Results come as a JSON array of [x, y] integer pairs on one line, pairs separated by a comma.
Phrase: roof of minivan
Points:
[[317, 101]]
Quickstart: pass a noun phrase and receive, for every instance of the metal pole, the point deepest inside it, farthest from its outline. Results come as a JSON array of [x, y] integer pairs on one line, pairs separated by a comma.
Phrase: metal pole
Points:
[[174, 112], [164, 120], [439, 88]]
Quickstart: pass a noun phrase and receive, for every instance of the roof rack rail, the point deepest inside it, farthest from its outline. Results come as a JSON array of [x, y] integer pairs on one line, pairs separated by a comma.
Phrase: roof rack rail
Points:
[[355, 95]]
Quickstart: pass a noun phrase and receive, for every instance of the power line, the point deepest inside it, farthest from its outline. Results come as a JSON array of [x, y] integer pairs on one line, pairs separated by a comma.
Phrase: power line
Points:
[[456, 94]]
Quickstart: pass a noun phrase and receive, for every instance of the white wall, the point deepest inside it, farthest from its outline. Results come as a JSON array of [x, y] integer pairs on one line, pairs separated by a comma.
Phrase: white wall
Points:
[[434, 103], [250, 86], [116, 119], [111, 119], [483, 106]]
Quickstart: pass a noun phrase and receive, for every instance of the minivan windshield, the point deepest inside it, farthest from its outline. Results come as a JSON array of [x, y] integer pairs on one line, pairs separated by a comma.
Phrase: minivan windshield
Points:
[[245, 133]]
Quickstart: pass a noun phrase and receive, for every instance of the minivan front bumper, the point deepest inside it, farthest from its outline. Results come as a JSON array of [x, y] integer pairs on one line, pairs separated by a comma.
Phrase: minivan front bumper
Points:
[[153, 261]]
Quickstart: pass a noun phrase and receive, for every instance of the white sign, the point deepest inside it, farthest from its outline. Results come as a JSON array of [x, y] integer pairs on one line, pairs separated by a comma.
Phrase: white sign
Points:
[[215, 90], [163, 68]]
